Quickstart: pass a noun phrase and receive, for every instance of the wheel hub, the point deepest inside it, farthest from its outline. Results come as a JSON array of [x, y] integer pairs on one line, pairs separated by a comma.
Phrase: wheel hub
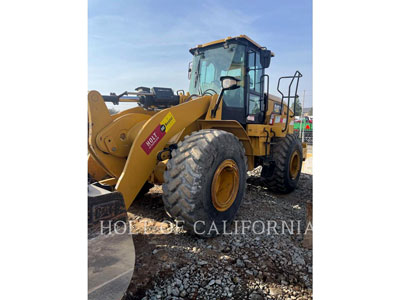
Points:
[[294, 166], [225, 185]]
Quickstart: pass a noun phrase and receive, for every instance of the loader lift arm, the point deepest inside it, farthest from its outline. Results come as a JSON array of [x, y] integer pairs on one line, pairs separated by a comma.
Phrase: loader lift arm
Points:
[[150, 140]]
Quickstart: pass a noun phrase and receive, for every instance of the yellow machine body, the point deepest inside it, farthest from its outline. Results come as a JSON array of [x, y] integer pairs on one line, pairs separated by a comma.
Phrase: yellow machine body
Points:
[[130, 148], [115, 141]]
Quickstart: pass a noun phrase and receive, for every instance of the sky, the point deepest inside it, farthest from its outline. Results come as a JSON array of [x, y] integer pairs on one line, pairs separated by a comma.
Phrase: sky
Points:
[[136, 43]]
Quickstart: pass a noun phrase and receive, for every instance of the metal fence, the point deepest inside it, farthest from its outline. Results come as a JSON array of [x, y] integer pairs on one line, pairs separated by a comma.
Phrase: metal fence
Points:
[[308, 136]]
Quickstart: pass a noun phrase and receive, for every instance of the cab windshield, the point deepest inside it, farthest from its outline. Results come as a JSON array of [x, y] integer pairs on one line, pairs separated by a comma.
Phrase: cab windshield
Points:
[[210, 64]]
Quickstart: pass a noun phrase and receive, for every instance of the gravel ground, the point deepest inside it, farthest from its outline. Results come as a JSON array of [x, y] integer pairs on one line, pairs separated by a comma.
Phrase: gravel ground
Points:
[[172, 264]]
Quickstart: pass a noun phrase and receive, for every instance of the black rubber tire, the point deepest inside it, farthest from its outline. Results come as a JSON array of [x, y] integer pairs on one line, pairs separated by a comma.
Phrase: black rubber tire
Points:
[[277, 177], [189, 175]]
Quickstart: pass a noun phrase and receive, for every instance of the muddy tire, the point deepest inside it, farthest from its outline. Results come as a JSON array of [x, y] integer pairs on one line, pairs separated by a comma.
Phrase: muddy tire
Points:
[[283, 174], [205, 181]]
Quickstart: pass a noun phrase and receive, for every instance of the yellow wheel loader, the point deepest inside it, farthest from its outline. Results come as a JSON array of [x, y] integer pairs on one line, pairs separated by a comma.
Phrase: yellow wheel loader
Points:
[[200, 144]]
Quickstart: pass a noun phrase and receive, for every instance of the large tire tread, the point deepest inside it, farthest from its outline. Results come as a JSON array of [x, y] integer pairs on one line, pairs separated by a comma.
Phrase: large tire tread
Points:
[[185, 169], [278, 181]]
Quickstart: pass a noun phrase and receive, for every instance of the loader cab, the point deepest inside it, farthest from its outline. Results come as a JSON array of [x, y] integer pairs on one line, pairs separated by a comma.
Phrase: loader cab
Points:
[[238, 57]]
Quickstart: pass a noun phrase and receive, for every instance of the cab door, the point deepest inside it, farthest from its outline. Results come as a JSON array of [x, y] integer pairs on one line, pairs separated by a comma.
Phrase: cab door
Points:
[[255, 108], [234, 103]]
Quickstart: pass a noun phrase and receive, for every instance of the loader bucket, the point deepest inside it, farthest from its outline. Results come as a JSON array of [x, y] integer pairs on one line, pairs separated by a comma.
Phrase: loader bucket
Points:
[[111, 252]]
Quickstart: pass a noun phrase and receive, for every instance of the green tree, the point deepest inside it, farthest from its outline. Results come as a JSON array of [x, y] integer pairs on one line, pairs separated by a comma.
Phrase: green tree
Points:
[[298, 107]]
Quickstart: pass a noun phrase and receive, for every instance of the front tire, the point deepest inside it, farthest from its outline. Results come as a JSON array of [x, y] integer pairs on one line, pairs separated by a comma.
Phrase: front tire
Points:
[[205, 181]]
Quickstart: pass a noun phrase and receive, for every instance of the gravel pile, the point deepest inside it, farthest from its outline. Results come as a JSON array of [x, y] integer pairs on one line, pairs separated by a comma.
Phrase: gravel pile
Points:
[[237, 266]]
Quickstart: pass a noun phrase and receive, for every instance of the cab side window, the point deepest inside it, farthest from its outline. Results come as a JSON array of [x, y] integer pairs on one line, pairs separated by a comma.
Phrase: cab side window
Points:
[[252, 72], [255, 72], [255, 93]]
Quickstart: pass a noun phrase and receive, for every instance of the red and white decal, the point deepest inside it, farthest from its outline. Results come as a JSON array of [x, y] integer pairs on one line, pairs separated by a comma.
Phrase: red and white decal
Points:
[[271, 120], [153, 139]]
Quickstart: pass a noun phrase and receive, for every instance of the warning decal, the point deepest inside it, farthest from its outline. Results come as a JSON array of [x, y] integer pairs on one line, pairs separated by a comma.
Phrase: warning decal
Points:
[[155, 137]]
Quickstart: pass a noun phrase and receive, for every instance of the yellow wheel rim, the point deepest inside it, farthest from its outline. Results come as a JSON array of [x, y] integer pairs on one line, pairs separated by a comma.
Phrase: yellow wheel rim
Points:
[[225, 185], [294, 166]]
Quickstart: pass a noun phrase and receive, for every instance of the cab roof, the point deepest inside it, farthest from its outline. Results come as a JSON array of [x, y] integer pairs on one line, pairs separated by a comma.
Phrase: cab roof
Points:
[[242, 37]]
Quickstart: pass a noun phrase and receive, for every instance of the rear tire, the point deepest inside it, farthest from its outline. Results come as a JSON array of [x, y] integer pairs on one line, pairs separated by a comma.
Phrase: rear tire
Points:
[[206, 164], [287, 155]]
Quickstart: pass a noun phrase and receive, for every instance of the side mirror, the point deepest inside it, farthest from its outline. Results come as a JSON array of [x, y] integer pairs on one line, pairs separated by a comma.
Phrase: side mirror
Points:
[[266, 58], [229, 82], [190, 70]]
